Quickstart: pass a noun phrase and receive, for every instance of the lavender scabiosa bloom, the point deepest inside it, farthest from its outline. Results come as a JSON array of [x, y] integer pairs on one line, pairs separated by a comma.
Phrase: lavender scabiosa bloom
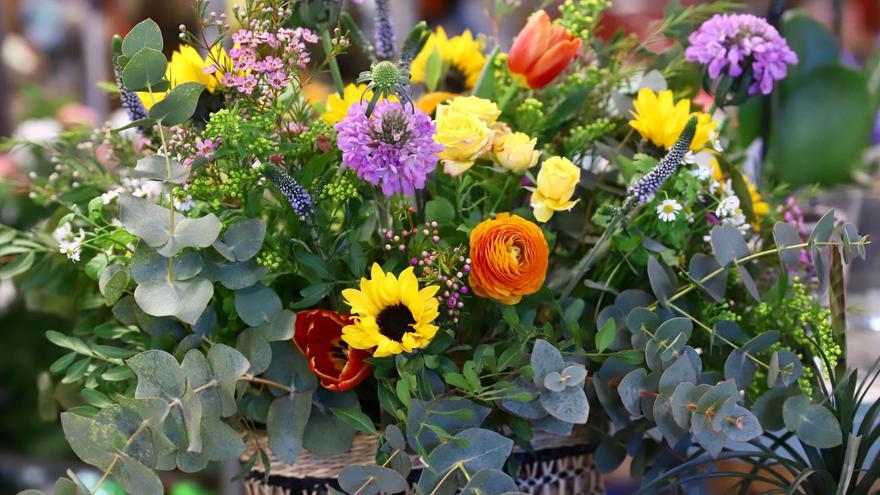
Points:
[[651, 182], [384, 31], [394, 148], [737, 43], [130, 101], [296, 194]]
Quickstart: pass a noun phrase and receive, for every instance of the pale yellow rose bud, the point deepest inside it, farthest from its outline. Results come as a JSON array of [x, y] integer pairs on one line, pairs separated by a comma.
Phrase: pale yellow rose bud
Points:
[[485, 110], [515, 151], [557, 181], [464, 138]]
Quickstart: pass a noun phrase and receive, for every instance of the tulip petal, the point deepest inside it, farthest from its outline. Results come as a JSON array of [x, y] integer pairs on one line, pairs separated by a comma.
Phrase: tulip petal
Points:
[[552, 63]]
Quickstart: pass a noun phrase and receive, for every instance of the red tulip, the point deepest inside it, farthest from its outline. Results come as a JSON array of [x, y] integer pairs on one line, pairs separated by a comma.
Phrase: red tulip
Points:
[[541, 50], [318, 335]]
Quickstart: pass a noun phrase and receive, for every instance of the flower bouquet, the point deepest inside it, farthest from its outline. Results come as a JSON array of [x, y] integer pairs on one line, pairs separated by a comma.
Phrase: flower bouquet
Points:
[[462, 254]]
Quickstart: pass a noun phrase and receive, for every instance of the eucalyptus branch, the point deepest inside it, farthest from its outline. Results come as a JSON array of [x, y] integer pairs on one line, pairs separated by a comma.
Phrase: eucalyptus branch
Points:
[[170, 265], [263, 381], [371, 479]]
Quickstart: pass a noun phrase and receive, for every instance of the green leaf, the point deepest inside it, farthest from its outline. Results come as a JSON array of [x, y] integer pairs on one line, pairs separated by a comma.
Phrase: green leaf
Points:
[[145, 34], [145, 69], [183, 299], [545, 358], [254, 346], [433, 70], [279, 327], [728, 245], [288, 416], [178, 105], [813, 424], [149, 266], [785, 235], [135, 477], [369, 480], [485, 87], [112, 283], [154, 167], [662, 280], [490, 482], [151, 223], [257, 304], [475, 449], [605, 335], [76, 371], [159, 375], [701, 265], [806, 150], [570, 405], [228, 366], [242, 240], [95, 443], [62, 363], [440, 210], [449, 415], [357, 419], [95, 398], [17, 266]]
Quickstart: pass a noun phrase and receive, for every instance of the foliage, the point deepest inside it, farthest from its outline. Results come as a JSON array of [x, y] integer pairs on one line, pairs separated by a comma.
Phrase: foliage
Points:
[[677, 318]]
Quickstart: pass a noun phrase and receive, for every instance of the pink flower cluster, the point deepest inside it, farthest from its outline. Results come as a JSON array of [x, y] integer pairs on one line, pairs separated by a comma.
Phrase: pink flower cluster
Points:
[[266, 58]]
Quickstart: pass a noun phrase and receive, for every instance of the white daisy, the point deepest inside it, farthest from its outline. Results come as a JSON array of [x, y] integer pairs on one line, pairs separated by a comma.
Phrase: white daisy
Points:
[[715, 141], [668, 209], [728, 206]]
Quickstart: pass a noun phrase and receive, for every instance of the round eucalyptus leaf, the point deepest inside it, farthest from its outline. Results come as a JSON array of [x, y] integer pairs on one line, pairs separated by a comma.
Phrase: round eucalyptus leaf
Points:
[[768, 408], [728, 244], [112, 283], [149, 266], [630, 389], [228, 365], [490, 482], [610, 454], [545, 358], [288, 416], [255, 347], [135, 477], [160, 168], [475, 450], [743, 427], [236, 276], [242, 240], [371, 480], [255, 305], [662, 280], [145, 69], [183, 299], [700, 266], [553, 382], [575, 375], [813, 424], [669, 428], [569, 405], [145, 34], [785, 235], [158, 373], [178, 105]]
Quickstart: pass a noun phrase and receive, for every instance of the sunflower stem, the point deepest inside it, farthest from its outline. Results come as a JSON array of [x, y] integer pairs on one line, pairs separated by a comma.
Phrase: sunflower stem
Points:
[[508, 95]]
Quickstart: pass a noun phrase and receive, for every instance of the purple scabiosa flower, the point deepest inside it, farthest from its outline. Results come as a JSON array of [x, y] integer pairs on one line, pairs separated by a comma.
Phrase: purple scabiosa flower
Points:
[[737, 43], [394, 148]]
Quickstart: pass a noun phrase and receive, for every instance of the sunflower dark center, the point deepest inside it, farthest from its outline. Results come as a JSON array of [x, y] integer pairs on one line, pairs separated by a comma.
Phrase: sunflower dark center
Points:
[[395, 321], [455, 80]]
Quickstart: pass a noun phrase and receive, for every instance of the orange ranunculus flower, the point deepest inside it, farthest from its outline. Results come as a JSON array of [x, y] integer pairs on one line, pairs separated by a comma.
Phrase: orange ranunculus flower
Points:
[[541, 50], [509, 258], [318, 334]]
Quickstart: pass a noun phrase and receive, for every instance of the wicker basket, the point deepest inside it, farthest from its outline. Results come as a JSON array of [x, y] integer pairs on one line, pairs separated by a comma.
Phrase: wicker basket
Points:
[[558, 466]]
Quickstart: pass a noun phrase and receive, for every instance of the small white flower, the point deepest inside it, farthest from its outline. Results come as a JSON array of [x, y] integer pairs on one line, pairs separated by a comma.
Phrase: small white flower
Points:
[[689, 158], [185, 205], [727, 207], [668, 209], [110, 195], [702, 172], [716, 142], [72, 248], [62, 233]]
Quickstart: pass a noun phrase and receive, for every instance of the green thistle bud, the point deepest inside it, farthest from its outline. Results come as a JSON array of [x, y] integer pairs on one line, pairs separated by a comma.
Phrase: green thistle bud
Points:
[[385, 76]]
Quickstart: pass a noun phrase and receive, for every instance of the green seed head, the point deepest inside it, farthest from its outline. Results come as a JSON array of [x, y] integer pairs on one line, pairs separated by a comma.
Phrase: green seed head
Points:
[[385, 75]]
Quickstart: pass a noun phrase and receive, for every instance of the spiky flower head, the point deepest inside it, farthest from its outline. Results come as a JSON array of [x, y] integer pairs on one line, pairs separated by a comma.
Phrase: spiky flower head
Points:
[[651, 182], [296, 194], [384, 31], [386, 79]]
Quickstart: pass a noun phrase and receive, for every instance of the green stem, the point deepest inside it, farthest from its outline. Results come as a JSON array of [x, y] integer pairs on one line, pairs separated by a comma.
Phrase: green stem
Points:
[[508, 95], [170, 265], [331, 60], [587, 261]]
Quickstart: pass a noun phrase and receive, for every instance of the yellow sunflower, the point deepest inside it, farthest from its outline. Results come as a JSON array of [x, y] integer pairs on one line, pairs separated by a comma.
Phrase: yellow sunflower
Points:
[[187, 65], [462, 53], [391, 315], [660, 120], [337, 106]]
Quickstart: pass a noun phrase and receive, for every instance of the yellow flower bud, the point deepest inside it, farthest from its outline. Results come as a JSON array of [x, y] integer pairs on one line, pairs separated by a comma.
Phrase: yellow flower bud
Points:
[[557, 181], [464, 138], [485, 110], [515, 151]]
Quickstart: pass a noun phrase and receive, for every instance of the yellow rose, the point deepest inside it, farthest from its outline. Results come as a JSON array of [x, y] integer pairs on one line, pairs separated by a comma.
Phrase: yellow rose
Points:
[[486, 110], [556, 184], [515, 151], [464, 138]]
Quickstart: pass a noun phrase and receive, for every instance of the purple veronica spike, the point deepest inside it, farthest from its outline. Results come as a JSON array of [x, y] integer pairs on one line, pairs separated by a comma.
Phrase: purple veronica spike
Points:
[[130, 101], [651, 182], [296, 195], [394, 148], [728, 42], [384, 31]]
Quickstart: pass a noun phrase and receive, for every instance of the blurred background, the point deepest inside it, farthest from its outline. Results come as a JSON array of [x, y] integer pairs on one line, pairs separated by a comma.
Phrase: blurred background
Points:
[[55, 69]]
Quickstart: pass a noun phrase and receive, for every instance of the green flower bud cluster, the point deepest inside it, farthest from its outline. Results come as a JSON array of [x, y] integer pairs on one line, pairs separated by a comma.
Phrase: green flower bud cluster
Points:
[[529, 115], [580, 16], [584, 135], [270, 258], [238, 182], [202, 189], [342, 188], [224, 124], [320, 137]]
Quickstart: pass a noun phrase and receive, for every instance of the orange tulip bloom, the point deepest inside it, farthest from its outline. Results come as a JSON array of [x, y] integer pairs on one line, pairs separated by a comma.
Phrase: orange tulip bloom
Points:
[[509, 257], [541, 50], [318, 334]]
